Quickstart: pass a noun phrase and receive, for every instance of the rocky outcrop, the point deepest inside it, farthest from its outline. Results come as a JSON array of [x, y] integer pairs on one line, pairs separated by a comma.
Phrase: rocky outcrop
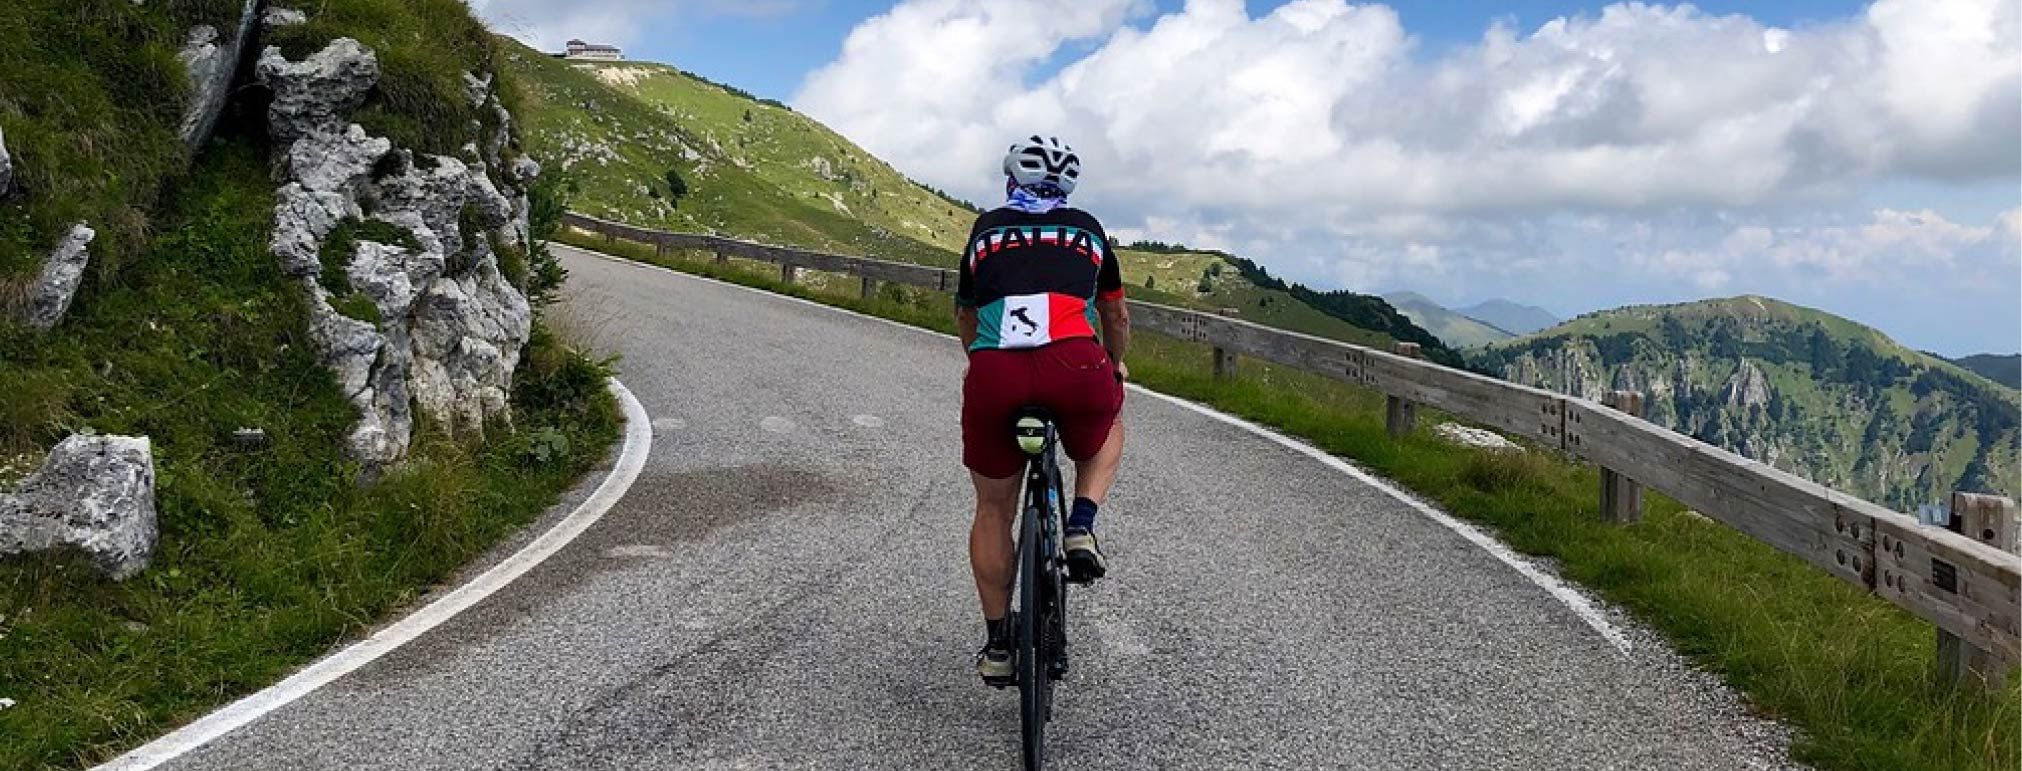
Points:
[[316, 92], [448, 326], [49, 297], [212, 59], [6, 168], [94, 494], [1567, 369], [1747, 388]]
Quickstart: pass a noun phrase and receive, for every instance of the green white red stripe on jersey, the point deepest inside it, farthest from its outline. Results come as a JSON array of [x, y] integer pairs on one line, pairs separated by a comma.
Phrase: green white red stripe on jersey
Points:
[[1032, 320]]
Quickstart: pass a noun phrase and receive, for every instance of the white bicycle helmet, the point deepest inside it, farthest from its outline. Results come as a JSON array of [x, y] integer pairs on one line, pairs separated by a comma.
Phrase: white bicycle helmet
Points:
[[1037, 160]]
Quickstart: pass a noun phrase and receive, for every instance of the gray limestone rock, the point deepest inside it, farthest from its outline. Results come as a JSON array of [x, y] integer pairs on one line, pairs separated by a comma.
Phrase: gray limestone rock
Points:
[[6, 167], [1747, 388], [49, 297], [302, 218], [450, 327], [338, 161], [212, 59], [477, 87], [278, 17], [94, 494], [317, 91], [1475, 437]]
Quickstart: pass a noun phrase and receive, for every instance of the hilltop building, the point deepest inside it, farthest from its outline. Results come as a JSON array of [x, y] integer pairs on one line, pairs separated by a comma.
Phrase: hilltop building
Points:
[[581, 50]]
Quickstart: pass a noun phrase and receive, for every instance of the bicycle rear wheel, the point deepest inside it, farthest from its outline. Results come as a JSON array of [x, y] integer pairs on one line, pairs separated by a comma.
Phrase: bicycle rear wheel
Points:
[[1033, 680]]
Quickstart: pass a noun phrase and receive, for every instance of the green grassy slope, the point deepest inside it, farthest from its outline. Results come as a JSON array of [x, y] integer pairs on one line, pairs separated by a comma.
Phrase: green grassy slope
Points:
[[1804, 390], [793, 153], [187, 331], [90, 115], [1452, 328], [616, 150]]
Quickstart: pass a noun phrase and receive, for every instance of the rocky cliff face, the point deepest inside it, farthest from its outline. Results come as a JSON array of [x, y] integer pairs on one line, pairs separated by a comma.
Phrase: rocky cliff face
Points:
[[399, 251], [1800, 390]]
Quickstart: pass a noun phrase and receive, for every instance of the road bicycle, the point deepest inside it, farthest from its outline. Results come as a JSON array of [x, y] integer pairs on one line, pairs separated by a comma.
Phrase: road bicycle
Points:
[[1040, 623]]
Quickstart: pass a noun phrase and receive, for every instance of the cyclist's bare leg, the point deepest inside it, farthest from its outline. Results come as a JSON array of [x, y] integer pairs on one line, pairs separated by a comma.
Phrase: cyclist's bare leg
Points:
[[991, 550], [1093, 477]]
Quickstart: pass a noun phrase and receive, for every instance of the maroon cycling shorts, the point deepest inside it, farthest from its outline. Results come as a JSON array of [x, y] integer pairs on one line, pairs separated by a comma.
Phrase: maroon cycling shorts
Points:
[[1072, 378]]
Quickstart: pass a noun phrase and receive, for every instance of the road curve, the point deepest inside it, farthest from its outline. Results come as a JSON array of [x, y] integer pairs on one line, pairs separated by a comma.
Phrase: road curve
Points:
[[786, 586]]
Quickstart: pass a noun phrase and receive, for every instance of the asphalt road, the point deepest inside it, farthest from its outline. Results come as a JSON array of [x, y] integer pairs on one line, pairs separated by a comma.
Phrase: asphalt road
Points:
[[786, 586]]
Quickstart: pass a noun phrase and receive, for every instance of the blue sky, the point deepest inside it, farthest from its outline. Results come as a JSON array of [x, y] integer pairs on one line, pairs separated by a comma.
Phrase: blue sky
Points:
[[1859, 157], [769, 52]]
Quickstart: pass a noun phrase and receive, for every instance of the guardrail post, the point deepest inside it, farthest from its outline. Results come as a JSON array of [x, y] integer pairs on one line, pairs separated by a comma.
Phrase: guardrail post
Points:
[[610, 237], [1400, 415], [787, 272], [721, 258], [870, 288], [1225, 359], [1622, 497], [1992, 520], [660, 250]]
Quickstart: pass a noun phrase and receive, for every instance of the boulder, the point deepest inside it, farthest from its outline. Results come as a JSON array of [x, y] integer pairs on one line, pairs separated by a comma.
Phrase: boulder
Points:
[[49, 297], [317, 91], [212, 59], [94, 494]]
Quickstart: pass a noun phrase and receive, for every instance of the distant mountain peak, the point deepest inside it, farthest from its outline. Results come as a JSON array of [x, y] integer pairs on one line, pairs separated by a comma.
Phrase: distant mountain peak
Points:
[[1509, 316], [1801, 389]]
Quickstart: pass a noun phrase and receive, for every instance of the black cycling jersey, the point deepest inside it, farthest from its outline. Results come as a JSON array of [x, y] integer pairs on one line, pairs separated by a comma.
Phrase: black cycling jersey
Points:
[[1033, 278]]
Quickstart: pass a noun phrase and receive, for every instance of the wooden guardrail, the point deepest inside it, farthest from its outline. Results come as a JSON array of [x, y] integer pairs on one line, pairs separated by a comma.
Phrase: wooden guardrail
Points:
[[1966, 586]]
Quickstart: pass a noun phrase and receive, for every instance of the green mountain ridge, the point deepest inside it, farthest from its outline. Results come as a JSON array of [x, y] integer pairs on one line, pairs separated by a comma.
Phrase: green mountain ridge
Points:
[[617, 149], [1451, 327], [2006, 370], [1511, 317], [756, 169], [1800, 389]]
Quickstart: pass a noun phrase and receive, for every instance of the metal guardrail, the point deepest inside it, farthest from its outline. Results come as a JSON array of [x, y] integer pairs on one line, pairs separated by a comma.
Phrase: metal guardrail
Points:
[[1966, 586]]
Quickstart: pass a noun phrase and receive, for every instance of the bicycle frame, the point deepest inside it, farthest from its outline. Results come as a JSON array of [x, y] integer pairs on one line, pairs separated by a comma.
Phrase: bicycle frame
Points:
[[1042, 588]]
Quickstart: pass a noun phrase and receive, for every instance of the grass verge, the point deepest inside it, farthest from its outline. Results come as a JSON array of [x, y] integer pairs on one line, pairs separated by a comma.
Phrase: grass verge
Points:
[[1852, 673], [268, 556]]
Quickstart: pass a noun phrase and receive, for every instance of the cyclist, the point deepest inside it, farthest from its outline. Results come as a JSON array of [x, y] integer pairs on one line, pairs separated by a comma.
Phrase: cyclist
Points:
[[1037, 279]]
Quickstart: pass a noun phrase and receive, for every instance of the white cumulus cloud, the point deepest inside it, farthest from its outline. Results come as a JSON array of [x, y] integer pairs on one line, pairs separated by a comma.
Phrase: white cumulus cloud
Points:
[[1324, 139]]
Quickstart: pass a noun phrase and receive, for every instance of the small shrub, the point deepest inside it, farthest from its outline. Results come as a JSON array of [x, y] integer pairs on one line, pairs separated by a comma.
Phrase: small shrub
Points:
[[677, 188]]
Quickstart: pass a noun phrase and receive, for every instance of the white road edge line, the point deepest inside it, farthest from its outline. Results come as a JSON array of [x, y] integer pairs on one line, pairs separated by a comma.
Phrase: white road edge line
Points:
[[1563, 592], [638, 444]]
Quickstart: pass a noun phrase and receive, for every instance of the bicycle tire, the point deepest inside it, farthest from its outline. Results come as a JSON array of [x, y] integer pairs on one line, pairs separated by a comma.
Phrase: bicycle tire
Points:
[[1032, 676]]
